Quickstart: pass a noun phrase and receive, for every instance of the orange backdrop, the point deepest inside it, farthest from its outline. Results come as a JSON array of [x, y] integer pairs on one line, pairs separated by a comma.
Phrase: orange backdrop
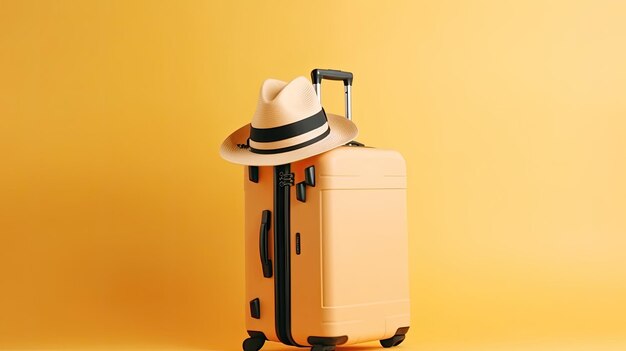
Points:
[[120, 224]]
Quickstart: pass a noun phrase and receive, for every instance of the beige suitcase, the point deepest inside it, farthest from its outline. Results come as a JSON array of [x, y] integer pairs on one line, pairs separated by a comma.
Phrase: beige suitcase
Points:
[[326, 247]]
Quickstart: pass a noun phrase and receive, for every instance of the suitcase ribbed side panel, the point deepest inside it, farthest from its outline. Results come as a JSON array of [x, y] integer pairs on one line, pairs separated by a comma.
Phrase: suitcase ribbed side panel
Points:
[[259, 197]]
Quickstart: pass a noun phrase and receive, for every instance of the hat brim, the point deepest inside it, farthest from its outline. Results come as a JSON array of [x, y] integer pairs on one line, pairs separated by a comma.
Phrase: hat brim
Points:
[[342, 131]]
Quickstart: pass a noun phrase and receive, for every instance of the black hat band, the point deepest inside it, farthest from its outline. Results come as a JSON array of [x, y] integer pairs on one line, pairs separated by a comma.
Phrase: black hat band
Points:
[[266, 135]]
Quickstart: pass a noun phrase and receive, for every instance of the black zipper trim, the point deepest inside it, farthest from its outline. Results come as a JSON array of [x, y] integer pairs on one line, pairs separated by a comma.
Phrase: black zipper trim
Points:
[[283, 179]]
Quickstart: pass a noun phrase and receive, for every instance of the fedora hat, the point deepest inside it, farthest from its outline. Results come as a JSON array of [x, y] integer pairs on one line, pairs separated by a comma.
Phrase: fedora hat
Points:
[[289, 124]]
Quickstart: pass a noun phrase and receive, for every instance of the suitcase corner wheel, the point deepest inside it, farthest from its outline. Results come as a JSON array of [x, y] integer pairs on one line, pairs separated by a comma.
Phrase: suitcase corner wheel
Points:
[[395, 340], [254, 342]]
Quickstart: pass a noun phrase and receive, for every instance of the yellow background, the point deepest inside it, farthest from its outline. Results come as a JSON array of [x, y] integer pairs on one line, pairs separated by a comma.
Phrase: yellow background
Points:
[[120, 225]]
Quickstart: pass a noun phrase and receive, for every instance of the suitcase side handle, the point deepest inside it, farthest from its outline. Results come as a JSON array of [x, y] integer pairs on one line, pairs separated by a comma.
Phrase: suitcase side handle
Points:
[[317, 75], [266, 263]]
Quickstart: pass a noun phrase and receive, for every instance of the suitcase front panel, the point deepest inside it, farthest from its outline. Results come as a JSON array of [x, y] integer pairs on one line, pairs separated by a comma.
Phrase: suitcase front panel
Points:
[[361, 241], [351, 274]]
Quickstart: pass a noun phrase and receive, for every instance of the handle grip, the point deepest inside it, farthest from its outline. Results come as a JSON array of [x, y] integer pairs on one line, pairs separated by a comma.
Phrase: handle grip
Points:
[[266, 263], [318, 74]]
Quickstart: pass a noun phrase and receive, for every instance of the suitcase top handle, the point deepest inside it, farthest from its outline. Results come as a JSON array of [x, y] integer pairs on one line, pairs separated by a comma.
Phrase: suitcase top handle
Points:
[[317, 75]]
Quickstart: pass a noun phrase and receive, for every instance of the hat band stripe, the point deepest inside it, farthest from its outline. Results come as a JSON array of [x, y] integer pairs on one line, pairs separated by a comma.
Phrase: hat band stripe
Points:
[[264, 135], [293, 147], [291, 141]]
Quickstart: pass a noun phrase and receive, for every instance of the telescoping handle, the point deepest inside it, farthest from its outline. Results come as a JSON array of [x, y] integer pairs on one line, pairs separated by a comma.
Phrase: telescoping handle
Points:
[[318, 74]]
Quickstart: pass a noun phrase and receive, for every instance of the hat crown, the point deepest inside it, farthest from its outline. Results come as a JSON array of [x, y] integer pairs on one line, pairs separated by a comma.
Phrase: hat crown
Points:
[[282, 103]]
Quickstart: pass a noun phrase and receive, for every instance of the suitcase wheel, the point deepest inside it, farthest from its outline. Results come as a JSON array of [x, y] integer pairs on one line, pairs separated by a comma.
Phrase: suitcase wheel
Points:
[[323, 348], [392, 341], [253, 344]]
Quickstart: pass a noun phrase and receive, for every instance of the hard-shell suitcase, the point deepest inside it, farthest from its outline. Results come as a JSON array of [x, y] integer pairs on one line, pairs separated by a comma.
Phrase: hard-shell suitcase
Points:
[[326, 246]]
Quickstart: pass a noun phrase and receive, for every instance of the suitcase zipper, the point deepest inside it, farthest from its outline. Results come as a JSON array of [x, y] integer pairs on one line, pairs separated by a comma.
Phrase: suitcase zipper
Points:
[[283, 180]]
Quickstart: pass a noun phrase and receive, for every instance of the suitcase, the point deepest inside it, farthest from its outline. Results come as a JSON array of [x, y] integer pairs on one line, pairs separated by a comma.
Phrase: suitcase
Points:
[[326, 246]]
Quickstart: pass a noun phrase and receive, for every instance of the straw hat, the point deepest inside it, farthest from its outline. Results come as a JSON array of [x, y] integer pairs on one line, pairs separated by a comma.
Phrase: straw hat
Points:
[[289, 125]]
